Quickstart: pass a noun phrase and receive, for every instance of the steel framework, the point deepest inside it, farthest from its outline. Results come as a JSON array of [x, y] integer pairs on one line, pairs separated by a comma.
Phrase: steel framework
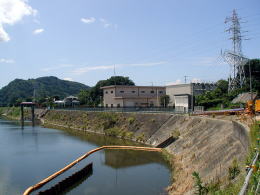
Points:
[[235, 58]]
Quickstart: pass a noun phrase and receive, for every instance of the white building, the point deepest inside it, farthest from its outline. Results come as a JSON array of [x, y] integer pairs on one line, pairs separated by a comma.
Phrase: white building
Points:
[[182, 95], [132, 96]]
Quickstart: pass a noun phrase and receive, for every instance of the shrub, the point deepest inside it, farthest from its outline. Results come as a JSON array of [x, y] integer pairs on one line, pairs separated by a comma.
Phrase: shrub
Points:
[[233, 171], [176, 134], [131, 120], [141, 138], [114, 131], [200, 188]]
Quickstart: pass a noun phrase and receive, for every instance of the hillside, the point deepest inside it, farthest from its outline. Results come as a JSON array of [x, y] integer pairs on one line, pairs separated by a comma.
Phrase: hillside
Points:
[[43, 87]]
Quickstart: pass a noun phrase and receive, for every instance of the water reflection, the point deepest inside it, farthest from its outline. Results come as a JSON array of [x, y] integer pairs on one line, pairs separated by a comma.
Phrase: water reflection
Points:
[[128, 158], [31, 154]]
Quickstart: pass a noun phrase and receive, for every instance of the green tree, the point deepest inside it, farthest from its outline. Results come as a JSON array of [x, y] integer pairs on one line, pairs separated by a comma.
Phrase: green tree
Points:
[[49, 102], [95, 94], [84, 97], [254, 65]]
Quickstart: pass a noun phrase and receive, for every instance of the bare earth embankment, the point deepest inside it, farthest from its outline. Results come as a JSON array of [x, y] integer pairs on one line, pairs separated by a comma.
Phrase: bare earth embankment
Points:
[[207, 146]]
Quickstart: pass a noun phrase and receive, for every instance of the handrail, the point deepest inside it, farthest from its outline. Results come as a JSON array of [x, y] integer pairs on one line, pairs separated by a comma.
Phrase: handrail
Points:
[[54, 175], [246, 182]]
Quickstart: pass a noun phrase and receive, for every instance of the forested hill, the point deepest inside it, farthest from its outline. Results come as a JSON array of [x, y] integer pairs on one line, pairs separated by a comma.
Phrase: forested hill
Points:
[[23, 90]]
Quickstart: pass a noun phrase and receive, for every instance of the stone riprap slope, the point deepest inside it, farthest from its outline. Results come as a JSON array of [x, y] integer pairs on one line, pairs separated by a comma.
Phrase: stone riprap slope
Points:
[[208, 146]]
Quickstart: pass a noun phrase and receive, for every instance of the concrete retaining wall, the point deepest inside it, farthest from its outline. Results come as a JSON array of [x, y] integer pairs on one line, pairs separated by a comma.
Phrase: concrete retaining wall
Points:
[[208, 146]]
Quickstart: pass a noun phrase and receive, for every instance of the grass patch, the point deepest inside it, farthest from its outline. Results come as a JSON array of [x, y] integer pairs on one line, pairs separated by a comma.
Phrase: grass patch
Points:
[[176, 134], [131, 120]]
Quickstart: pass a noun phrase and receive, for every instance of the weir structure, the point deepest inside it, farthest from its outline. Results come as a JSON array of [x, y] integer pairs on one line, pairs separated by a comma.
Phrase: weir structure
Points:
[[27, 104], [54, 175]]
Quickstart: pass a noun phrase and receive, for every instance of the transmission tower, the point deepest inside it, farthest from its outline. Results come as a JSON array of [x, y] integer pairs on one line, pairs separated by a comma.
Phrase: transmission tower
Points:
[[235, 58]]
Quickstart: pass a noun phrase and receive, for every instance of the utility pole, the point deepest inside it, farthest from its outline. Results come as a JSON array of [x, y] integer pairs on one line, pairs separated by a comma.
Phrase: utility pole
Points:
[[185, 79], [250, 80], [34, 94], [114, 74]]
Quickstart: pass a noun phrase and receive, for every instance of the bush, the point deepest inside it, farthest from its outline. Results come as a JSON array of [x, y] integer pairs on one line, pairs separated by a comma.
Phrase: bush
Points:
[[114, 131], [141, 138], [233, 171], [176, 134], [200, 188], [131, 120]]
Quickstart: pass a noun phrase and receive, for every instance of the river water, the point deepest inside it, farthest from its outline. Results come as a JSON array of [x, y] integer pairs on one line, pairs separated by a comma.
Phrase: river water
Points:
[[29, 154]]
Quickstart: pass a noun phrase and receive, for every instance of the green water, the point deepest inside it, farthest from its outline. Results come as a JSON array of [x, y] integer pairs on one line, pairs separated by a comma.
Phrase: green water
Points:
[[30, 154]]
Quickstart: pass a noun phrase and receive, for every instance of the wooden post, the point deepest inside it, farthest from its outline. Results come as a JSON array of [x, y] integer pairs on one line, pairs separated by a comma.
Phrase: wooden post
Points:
[[22, 114], [32, 108]]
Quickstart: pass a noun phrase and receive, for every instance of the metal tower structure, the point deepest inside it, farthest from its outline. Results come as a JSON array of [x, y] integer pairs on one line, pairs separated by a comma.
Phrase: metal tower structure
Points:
[[234, 57]]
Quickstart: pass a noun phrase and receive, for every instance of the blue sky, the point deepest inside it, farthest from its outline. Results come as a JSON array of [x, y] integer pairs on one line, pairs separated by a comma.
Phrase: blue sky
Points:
[[152, 41]]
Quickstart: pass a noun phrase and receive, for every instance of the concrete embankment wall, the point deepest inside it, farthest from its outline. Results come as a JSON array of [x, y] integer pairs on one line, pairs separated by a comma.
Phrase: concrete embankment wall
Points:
[[208, 146], [127, 125]]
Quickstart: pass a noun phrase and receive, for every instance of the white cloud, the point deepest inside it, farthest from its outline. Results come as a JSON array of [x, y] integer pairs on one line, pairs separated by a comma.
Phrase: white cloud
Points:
[[106, 67], [36, 21], [68, 79], [7, 61], [11, 12], [107, 24], [88, 20], [146, 64], [3, 35], [208, 61], [178, 81], [61, 66], [38, 31], [196, 80], [88, 69]]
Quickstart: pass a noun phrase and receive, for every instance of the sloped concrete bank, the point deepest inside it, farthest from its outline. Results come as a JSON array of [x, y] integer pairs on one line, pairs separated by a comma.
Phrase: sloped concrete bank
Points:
[[208, 146]]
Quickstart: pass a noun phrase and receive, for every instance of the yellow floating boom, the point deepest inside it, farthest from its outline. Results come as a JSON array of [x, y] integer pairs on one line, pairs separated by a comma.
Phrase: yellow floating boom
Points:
[[51, 177]]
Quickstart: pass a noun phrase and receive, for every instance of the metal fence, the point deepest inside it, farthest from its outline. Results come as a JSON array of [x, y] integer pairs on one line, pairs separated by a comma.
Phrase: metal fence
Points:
[[127, 109]]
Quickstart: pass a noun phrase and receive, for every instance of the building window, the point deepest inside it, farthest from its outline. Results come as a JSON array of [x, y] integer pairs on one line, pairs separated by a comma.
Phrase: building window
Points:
[[106, 105], [160, 92], [112, 92], [112, 105], [121, 91], [142, 91], [106, 92], [133, 91], [118, 105], [152, 91]]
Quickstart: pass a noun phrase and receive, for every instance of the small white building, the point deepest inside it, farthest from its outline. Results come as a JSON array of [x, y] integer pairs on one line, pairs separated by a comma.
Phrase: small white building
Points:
[[183, 95]]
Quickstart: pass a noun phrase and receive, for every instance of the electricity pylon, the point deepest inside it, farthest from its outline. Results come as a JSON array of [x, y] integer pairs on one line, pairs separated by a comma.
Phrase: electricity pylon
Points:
[[235, 58]]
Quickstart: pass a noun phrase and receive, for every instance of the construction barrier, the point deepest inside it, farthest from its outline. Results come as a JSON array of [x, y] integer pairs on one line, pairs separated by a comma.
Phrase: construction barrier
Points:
[[51, 177], [72, 180]]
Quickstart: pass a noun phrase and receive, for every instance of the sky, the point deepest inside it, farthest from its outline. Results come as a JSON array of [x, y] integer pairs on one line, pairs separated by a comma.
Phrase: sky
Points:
[[153, 42]]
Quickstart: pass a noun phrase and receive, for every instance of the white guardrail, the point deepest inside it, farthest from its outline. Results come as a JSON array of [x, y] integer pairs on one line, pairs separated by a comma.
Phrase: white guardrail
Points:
[[245, 185]]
